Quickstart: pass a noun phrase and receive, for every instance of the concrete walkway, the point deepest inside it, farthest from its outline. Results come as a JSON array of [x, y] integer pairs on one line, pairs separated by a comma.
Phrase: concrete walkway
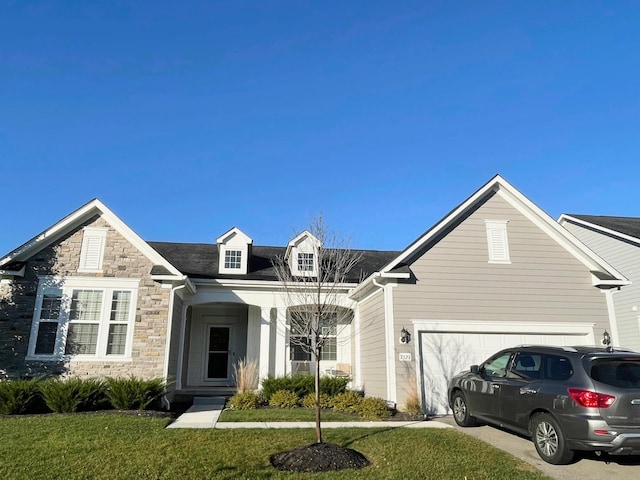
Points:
[[205, 413]]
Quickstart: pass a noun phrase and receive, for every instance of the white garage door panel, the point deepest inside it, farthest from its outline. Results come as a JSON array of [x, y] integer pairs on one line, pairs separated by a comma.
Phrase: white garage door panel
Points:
[[446, 353]]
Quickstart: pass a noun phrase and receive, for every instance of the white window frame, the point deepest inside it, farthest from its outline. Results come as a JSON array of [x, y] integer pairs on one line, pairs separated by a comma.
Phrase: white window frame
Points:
[[94, 240], [67, 285], [294, 261], [498, 241], [244, 253]]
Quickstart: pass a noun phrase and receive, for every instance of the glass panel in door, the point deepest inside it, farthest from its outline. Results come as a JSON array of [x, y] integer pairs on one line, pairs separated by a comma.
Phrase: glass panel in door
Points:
[[218, 353]]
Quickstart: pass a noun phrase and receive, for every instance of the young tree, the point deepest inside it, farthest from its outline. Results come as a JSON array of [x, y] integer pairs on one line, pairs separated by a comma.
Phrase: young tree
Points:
[[317, 297]]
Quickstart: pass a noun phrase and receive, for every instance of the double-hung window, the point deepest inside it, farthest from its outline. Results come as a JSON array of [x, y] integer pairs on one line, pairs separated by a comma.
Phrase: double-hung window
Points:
[[88, 317], [302, 337], [48, 320], [329, 342]]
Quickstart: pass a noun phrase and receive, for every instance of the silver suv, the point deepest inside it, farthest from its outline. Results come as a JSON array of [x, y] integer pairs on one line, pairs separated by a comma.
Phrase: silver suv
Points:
[[565, 398]]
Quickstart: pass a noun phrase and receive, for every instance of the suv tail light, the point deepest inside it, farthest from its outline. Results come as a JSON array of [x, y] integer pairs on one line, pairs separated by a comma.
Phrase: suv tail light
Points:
[[589, 399]]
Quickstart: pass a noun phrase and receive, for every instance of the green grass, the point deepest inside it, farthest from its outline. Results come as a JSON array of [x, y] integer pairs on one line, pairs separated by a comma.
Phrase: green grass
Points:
[[107, 446], [284, 415]]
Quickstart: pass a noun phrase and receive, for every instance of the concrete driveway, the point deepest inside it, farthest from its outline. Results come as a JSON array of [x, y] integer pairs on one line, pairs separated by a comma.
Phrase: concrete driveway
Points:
[[587, 467]]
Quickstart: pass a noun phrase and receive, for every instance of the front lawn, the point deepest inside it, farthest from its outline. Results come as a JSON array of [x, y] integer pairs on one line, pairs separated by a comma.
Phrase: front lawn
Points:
[[284, 415], [107, 446]]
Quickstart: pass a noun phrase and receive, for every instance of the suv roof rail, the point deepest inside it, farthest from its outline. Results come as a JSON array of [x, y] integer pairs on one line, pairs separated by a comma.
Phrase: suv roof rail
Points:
[[559, 347]]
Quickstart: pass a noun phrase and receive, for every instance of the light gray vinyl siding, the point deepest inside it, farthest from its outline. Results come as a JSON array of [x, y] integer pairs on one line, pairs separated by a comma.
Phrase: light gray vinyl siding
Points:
[[625, 257], [455, 281], [543, 282], [373, 366]]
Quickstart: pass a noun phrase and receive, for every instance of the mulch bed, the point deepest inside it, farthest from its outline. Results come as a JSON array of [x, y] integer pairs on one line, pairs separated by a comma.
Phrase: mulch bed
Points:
[[319, 457]]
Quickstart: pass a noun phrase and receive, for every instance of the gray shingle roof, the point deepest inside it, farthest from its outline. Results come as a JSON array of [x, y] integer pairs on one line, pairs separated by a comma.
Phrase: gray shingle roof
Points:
[[625, 225], [200, 260]]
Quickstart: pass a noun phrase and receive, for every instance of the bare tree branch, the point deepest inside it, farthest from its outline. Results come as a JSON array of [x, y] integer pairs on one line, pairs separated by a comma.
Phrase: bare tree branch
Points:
[[316, 298]]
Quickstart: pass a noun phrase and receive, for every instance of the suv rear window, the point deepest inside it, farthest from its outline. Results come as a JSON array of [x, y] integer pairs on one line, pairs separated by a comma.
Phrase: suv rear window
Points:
[[620, 373]]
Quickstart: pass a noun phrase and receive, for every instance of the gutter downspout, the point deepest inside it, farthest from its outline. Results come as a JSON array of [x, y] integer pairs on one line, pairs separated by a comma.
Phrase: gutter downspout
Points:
[[165, 372], [390, 350], [613, 321]]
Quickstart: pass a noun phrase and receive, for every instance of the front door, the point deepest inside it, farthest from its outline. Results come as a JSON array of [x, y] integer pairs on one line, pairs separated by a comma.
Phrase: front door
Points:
[[218, 351]]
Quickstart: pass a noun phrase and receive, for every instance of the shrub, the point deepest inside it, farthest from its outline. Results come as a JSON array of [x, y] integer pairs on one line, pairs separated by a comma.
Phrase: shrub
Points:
[[134, 393], [284, 399], [372, 408], [300, 384], [347, 402], [310, 401], [74, 394], [18, 396], [303, 385], [245, 401], [333, 386]]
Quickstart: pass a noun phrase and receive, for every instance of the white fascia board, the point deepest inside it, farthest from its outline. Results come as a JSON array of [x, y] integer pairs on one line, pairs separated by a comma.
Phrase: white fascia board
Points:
[[530, 210], [48, 236], [560, 234], [259, 284], [453, 215], [569, 219], [239, 234], [608, 283], [366, 285], [180, 279], [300, 238], [75, 218], [135, 239]]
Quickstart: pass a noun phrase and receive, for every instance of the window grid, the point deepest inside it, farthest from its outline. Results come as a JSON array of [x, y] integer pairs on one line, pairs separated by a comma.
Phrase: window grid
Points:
[[305, 262], [46, 338], [233, 259], [82, 339], [117, 339]]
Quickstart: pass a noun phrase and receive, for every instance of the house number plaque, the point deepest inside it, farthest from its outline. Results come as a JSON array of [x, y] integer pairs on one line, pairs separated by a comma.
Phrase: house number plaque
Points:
[[405, 357]]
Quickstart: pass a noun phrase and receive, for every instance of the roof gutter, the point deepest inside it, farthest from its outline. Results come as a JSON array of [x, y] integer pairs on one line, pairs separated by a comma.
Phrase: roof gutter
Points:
[[173, 278], [373, 280]]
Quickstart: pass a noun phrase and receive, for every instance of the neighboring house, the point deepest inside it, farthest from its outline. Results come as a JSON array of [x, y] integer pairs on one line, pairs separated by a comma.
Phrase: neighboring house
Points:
[[89, 297], [616, 239]]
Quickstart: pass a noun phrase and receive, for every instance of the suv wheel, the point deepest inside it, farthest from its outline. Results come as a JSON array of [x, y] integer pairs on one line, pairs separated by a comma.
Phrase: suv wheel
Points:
[[461, 411], [549, 440]]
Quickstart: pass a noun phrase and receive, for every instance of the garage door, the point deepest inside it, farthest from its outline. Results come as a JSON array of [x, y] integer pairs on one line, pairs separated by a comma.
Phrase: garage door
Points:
[[447, 348]]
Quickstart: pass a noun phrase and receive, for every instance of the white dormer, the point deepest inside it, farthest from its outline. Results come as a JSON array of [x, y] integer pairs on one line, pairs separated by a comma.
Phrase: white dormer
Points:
[[302, 254], [234, 248]]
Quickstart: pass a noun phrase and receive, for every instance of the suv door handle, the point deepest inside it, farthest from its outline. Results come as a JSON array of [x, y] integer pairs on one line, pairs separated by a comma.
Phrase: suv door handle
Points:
[[495, 386], [527, 390]]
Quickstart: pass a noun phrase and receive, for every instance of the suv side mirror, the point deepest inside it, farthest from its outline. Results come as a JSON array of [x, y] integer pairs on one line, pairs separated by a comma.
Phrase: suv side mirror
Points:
[[475, 369]]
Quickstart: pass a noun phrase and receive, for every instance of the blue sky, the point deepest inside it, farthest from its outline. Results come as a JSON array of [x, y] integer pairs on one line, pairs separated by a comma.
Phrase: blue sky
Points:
[[187, 118]]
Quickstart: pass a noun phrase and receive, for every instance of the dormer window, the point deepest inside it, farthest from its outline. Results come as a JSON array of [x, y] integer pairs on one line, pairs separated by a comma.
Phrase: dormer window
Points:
[[234, 251], [233, 259], [305, 262], [302, 255]]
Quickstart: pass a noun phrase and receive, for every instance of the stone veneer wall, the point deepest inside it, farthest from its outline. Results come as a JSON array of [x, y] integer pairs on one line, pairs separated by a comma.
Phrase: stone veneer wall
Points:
[[121, 260]]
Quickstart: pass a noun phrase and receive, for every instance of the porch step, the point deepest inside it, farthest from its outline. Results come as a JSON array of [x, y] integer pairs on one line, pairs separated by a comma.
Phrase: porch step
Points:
[[217, 401]]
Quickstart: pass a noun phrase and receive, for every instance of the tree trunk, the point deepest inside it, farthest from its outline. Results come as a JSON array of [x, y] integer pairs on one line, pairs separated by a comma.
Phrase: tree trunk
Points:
[[317, 385]]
